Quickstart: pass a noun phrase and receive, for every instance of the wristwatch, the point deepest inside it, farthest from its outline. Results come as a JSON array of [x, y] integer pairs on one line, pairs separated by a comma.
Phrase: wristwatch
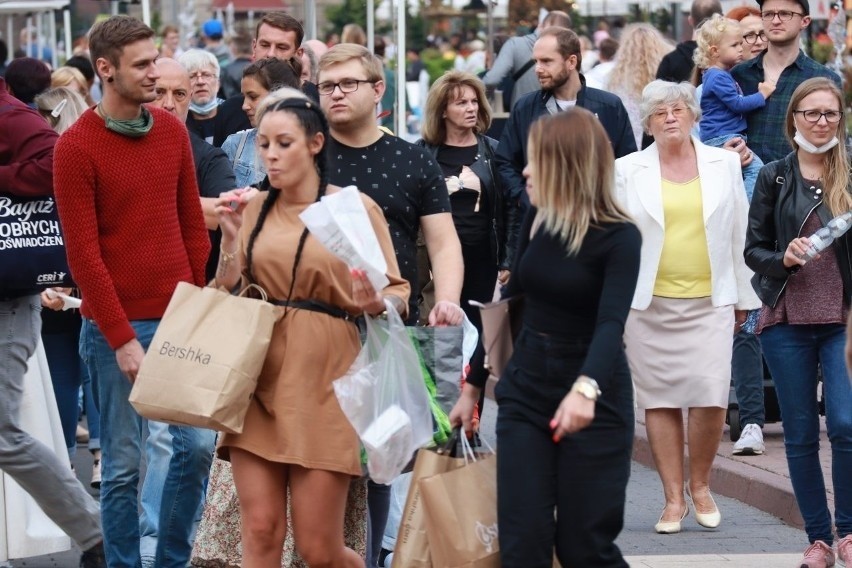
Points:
[[587, 387]]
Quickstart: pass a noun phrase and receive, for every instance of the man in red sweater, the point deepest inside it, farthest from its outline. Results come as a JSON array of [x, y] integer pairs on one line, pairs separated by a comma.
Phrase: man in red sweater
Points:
[[26, 169], [128, 202]]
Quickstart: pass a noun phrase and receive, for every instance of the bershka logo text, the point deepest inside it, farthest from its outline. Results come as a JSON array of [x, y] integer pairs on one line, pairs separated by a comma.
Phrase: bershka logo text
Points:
[[193, 354]]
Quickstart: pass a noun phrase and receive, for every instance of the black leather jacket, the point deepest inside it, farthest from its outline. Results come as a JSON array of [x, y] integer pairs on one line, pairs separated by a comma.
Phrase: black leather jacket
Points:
[[779, 208], [505, 217]]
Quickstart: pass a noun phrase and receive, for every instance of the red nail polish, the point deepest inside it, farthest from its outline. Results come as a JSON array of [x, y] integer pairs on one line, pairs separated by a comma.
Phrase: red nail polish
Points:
[[553, 424], [555, 439]]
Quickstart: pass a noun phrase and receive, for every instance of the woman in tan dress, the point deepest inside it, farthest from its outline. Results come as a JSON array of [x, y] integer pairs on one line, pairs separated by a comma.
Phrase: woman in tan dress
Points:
[[295, 434]]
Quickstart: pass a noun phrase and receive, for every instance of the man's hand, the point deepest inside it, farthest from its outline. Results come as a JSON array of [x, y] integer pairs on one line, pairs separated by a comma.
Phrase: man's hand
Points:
[[129, 357], [446, 313], [462, 412], [738, 145]]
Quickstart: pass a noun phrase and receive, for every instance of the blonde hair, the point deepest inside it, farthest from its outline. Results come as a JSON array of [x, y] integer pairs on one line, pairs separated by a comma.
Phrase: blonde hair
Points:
[[353, 33], [343, 52], [64, 76], [445, 90], [640, 50], [575, 174], [836, 163], [50, 100], [710, 34]]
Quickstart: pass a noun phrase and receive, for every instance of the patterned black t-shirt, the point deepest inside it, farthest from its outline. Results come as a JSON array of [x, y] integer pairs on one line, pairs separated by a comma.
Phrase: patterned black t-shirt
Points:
[[404, 180]]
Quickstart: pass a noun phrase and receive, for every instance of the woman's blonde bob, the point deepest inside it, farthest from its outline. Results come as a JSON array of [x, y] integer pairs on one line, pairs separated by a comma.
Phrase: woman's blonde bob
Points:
[[574, 175]]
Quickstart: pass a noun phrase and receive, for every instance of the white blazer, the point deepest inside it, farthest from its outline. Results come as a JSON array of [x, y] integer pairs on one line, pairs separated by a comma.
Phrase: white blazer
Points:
[[638, 188]]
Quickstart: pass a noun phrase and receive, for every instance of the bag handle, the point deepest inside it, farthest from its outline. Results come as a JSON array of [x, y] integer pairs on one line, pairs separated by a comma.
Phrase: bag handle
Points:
[[261, 291]]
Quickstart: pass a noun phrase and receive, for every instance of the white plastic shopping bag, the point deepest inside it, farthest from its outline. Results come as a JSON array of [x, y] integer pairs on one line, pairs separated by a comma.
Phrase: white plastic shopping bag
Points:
[[340, 222], [385, 399]]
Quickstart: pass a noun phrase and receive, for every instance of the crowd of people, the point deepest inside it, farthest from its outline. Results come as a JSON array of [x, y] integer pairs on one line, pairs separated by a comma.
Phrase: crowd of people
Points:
[[651, 202]]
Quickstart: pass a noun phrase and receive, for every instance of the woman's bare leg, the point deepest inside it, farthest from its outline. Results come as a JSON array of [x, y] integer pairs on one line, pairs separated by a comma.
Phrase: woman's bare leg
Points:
[[318, 508], [665, 435], [262, 490]]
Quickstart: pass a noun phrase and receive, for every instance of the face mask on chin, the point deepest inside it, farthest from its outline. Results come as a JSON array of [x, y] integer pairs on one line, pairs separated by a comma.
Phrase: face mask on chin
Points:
[[810, 148]]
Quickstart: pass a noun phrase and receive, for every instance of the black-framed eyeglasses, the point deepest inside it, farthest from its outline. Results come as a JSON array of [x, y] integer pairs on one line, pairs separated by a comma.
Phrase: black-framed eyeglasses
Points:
[[783, 15], [813, 115], [326, 88], [751, 37]]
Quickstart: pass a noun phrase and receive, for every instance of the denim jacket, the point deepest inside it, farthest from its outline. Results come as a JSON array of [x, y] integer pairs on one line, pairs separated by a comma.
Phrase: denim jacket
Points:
[[248, 167]]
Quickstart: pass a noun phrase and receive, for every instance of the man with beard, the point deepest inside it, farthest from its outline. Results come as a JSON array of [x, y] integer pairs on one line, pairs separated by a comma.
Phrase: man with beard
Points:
[[128, 203], [557, 63]]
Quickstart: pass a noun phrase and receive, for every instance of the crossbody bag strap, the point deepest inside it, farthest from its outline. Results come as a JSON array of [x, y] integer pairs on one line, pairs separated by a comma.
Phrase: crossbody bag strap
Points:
[[240, 146]]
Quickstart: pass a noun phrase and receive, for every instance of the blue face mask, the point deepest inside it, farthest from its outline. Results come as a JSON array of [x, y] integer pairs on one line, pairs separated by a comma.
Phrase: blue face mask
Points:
[[206, 109]]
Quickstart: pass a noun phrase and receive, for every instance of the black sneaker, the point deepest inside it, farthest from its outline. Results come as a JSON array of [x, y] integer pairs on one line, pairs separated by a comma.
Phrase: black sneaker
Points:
[[94, 557]]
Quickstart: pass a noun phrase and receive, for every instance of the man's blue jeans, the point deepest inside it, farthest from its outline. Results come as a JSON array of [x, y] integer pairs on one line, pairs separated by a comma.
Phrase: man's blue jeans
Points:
[[750, 171], [793, 353], [122, 431]]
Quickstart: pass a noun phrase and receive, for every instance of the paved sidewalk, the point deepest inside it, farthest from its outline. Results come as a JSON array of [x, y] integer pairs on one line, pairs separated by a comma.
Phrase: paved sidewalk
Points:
[[760, 481]]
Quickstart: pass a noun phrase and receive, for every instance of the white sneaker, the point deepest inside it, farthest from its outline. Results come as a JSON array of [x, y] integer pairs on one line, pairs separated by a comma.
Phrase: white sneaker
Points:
[[750, 442]]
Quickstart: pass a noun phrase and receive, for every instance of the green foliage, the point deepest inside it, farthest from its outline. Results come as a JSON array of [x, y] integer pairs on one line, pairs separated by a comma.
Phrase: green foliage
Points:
[[436, 64], [347, 12], [822, 52]]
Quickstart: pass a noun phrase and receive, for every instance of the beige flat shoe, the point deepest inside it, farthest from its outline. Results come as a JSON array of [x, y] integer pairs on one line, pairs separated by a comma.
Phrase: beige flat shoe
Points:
[[670, 527]]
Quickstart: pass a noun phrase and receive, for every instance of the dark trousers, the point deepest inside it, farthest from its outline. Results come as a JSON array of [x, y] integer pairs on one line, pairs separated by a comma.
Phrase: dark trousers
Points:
[[568, 496], [747, 372]]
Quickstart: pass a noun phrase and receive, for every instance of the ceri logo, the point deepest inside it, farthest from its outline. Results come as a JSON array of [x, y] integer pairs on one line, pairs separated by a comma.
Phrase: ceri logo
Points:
[[50, 277]]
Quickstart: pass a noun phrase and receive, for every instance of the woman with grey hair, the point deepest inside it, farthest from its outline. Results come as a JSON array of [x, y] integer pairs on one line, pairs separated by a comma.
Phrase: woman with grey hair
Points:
[[203, 69], [692, 295]]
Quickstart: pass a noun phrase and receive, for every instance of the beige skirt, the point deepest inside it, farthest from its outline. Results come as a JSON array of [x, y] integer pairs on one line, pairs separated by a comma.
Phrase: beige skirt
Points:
[[679, 352]]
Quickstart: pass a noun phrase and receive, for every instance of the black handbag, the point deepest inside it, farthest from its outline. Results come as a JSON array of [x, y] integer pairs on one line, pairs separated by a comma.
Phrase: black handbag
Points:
[[32, 247]]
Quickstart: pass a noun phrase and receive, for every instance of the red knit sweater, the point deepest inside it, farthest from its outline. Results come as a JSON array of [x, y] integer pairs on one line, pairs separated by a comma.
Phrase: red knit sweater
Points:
[[132, 219]]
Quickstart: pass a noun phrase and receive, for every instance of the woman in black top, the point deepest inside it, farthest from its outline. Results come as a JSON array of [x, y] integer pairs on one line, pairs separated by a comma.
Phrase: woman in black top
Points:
[[565, 418], [456, 116]]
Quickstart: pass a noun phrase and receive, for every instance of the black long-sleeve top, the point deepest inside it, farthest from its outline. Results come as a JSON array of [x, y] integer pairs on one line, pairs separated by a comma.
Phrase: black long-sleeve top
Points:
[[585, 295]]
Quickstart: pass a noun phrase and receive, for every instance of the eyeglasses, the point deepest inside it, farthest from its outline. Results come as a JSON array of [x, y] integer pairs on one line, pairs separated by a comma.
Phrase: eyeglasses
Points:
[[208, 77], [783, 15], [751, 37], [813, 115], [346, 86], [663, 113]]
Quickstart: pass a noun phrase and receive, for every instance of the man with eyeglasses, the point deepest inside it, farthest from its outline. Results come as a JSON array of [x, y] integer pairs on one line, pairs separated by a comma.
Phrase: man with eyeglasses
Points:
[[407, 184], [784, 64], [203, 68]]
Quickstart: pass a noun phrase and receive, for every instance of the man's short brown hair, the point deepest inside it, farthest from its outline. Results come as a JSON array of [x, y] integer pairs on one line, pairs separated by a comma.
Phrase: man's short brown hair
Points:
[[107, 38], [567, 42], [282, 21]]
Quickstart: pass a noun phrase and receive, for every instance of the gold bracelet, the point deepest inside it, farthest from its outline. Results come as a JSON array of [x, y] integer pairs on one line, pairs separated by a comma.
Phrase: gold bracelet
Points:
[[227, 256]]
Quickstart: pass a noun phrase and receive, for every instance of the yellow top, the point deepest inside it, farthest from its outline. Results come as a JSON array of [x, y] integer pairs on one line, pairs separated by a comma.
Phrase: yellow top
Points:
[[684, 269]]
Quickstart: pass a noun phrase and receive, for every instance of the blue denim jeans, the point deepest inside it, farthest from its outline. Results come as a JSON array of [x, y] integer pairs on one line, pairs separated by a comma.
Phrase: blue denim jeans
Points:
[[750, 171], [792, 353], [747, 374], [66, 375], [174, 488]]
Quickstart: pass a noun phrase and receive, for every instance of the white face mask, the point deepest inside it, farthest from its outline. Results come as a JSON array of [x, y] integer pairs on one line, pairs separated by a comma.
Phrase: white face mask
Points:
[[810, 148]]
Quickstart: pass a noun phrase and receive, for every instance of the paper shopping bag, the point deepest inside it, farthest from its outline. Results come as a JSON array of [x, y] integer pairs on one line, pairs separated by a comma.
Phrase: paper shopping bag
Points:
[[203, 363], [412, 543], [501, 324], [461, 515]]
